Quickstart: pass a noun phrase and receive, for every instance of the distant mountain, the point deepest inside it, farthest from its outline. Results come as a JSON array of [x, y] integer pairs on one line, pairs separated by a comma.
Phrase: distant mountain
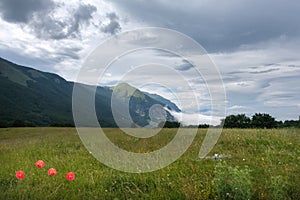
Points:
[[43, 99], [170, 105]]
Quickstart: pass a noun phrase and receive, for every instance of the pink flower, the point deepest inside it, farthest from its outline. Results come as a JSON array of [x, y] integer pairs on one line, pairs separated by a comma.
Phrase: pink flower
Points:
[[40, 164], [20, 174], [70, 176], [52, 172]]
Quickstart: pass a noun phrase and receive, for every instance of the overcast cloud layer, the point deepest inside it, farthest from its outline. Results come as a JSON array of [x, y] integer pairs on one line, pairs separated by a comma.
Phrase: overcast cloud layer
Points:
[[220, 25], [255, 44]]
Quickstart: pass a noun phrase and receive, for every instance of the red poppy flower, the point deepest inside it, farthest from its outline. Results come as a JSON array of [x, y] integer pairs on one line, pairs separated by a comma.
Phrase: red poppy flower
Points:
[[52, 172], [40, 164], [70, 176], [20, 174]]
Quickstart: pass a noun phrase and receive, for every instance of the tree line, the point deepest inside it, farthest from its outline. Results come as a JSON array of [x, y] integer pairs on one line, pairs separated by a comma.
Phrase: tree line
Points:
[[258, 120], [26, 123]]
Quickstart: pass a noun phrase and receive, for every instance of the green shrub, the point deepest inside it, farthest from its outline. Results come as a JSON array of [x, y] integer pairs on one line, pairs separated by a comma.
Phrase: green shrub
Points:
[[277, 188], [232, 182]]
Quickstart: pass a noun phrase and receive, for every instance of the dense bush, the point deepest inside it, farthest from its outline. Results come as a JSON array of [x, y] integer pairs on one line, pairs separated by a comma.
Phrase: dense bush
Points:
[[169, 124]]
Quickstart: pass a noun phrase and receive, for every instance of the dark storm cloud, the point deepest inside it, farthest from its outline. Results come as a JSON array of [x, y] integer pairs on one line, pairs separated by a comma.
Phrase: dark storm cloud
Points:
[[48, 27], [38, 15], [112, 16], [220, 25], [113, 26], [82, 15], [185, 66], [21, 11], [265, 71]]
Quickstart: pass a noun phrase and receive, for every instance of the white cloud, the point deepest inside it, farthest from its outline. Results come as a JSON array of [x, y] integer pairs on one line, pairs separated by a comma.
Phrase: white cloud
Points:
[[196, 118], [237, 107], [262, 77], [258, 59]]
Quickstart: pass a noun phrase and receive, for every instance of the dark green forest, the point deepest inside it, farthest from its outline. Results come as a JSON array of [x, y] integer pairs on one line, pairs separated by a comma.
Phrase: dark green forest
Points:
[[258, 120]]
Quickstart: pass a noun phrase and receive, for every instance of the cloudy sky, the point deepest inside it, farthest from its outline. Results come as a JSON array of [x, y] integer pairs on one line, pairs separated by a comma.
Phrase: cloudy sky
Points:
[[255, 45]]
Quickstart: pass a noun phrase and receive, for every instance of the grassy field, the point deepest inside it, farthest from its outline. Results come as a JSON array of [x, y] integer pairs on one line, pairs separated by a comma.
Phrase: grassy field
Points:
[[267, 153]]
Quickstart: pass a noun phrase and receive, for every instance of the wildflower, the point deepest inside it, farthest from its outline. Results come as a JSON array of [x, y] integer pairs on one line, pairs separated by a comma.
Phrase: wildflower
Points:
[[20, 174], [52, 172], [70, 176], [40, 164]]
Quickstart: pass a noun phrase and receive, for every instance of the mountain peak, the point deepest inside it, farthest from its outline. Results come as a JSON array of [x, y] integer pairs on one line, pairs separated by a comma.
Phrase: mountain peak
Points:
[[126, 90]]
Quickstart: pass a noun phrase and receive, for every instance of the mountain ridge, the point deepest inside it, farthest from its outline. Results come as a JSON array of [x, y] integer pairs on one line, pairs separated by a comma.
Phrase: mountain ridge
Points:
[[45, 99]]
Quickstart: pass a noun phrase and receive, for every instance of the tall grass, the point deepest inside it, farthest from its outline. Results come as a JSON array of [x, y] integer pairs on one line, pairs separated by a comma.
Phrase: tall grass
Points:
[[266, 153]]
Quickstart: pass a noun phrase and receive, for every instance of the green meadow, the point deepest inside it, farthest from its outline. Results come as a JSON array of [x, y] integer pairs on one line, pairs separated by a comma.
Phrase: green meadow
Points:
[[268, 160]]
